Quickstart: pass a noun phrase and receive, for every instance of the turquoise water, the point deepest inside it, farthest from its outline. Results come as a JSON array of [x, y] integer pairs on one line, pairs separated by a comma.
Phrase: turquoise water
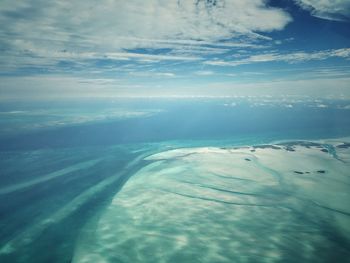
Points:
[[62, 163]]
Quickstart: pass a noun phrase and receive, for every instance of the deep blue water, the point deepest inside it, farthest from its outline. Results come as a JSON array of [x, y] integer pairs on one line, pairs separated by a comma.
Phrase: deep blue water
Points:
[[169, 119]]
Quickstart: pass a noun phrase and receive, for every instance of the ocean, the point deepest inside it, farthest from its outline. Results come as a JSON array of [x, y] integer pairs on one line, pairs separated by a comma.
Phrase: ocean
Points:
[[166, 180]]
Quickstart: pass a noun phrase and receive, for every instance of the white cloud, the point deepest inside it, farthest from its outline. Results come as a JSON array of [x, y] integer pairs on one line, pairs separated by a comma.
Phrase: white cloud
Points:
[[204, 73], [293, 57], [152, 74], [83, 28], [327, 9], [147, 57]]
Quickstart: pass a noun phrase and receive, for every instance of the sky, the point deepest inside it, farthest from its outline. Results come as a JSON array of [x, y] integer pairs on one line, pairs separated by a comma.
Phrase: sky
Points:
[[177, 48]]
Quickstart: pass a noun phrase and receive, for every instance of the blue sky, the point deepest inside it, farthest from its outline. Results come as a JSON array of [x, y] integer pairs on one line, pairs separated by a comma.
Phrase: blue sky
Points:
[[106, 48]]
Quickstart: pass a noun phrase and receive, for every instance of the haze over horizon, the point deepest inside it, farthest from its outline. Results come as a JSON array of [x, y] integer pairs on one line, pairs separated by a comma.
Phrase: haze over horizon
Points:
[[78, 49]]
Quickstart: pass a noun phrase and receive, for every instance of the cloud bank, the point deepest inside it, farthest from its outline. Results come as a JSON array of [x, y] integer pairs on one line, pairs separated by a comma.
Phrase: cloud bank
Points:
[[89, 47], [38, 29]]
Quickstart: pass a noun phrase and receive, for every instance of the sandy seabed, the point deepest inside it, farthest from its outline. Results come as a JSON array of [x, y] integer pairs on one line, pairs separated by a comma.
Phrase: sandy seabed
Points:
[[283, 202]]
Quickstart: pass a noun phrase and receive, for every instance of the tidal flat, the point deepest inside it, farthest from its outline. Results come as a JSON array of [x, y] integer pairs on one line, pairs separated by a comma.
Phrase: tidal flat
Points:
[[283, 202]]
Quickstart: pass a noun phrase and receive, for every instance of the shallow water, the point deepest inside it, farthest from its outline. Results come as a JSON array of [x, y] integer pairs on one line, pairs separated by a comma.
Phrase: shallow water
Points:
[[107, 189], [222, 205]]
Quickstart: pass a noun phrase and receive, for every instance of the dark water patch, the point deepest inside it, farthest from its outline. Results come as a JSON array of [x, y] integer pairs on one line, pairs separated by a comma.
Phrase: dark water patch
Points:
[[221, 189], [302, 143], [344, 145], [332, 151], [298, 172], [268, 146], [289, 149]]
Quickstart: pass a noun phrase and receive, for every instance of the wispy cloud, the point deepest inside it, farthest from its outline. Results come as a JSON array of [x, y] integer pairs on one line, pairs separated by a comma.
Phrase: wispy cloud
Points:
[[292, 57], [327, 9], [152, 74], [204, 73], [67, 30]]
